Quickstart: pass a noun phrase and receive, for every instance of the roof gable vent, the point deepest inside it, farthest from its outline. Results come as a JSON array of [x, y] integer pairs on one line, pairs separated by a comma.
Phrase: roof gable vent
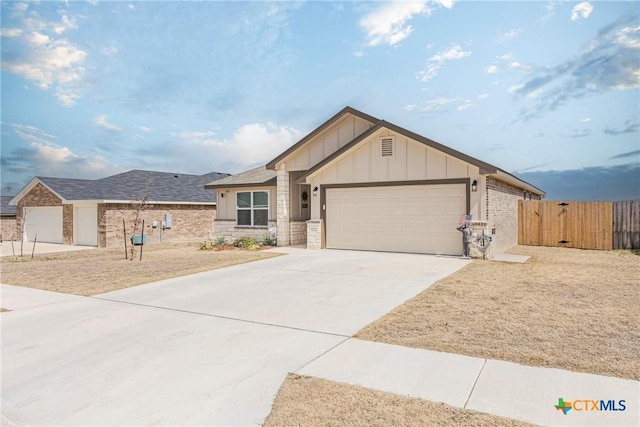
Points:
[[387, 146]]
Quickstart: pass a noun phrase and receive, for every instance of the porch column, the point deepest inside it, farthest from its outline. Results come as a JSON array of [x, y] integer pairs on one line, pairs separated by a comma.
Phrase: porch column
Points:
[[283, 206]]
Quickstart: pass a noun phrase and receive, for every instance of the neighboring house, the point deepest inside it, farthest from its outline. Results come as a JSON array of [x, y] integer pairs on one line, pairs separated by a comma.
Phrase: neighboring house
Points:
[[91, 212], [8, 227], [357, 182]]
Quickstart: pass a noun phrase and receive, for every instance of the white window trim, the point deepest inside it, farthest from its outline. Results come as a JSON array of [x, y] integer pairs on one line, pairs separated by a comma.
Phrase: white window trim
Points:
[[252, 208]]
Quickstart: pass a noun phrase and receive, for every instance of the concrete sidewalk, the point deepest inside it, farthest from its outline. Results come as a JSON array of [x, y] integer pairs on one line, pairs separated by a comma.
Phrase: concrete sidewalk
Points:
[[490, 386]]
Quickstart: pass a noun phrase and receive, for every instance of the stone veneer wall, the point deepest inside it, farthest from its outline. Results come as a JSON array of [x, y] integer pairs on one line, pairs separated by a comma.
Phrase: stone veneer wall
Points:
[[314, 234], [9, 228], [189, 222], [297, 232], [228, 229], [502, 214], [41, 196]]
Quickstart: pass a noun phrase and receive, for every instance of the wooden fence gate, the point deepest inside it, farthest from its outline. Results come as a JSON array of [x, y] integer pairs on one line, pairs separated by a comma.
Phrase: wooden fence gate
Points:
[[584, 225]]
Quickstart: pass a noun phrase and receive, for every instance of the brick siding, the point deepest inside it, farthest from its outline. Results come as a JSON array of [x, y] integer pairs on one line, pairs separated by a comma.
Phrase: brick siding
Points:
[[39, 195], [502, 213], [189, 222], [9, 228]]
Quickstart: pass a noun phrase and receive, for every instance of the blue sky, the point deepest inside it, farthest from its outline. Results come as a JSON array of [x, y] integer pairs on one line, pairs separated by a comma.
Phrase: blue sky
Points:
[[548, 90]]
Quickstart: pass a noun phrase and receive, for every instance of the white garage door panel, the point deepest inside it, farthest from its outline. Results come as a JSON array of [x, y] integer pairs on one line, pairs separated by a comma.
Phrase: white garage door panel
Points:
[[86, 226], [45, 222], [409, 218]]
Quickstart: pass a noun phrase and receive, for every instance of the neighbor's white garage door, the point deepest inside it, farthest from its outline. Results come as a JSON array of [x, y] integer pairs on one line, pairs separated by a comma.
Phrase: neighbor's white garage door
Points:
[[408, 218], [86, 226], [45, 222]]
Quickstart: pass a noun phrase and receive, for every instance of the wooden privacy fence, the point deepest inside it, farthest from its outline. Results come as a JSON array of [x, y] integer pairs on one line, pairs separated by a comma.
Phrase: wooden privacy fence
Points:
[[584, 225], [626, 224]]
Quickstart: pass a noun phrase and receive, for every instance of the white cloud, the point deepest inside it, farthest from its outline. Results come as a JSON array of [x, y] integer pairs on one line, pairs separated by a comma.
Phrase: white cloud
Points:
[[505, 57], [388, 24], [483, 96], [41, 156], [46, 59], [585, 120], [465, 105], [101, 122], [438, 104], [437, 61], [491, 69], [11, 33], [504, 37], [445, 3], [144, 128], [520, 67], [250, 145], [358, 54], [410, 107], [581, 10], [628, 37]]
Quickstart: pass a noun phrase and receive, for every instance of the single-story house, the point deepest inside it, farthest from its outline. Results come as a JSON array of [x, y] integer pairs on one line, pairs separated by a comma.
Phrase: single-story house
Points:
[[358, 182], [8, 227], [91, 212]]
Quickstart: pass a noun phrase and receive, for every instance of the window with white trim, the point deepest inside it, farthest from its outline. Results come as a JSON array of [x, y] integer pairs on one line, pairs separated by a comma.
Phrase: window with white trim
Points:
[[252, 208]]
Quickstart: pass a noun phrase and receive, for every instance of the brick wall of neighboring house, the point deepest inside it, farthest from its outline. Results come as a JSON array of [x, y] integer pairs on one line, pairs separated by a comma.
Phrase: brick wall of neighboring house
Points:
[[228, 229], [189, 222], [41, 196], [9, 228], [502, 213]]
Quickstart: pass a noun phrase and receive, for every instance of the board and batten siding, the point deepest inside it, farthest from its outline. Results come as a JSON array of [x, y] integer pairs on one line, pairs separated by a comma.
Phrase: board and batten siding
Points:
[[327, 142], [411, 161]]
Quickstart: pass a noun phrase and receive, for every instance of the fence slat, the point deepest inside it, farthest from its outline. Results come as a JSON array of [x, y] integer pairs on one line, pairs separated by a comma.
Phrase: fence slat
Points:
[[626, 224]]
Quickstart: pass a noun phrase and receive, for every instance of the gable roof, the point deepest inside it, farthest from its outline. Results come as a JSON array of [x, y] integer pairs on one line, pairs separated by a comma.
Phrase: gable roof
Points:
[[5, 208], [256, 177], [163, 187], [484, 167], [346, 110]]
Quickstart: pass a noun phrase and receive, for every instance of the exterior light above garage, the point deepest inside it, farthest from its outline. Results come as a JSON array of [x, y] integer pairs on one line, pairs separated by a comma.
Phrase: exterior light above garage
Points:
[[474, 185]]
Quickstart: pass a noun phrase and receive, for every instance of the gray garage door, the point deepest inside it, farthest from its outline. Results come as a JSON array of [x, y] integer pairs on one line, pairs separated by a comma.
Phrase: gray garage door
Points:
[[404, 218]]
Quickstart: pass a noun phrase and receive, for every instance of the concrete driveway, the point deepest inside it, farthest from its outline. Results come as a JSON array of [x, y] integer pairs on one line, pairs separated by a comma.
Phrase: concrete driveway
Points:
[[7, 249], [207, 349]]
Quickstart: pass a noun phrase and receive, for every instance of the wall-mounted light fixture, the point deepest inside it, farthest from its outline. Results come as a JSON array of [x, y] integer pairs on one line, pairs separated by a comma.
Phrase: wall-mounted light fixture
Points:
[[474, 185], [315, 191]]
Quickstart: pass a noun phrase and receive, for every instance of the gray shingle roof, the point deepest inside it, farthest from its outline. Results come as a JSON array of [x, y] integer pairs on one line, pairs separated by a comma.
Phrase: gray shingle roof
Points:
[[257, 176], [164, 186], [5, 208]]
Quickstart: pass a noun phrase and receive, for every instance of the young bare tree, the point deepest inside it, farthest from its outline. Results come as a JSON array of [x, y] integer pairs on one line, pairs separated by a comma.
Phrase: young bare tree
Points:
[[139, 203]]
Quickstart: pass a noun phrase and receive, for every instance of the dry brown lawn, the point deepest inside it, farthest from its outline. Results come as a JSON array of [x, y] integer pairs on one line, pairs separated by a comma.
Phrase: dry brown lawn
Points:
[[96, 271], [564, 308], [310, 402]]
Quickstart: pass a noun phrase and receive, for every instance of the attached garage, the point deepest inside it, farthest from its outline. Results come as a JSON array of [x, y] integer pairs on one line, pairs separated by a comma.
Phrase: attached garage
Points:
[[44, 223], [86, 225], [396, 218]]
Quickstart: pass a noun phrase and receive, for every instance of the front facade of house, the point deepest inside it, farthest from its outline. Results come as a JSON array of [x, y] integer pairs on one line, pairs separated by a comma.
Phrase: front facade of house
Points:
[[360, 183], [76, 212]]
